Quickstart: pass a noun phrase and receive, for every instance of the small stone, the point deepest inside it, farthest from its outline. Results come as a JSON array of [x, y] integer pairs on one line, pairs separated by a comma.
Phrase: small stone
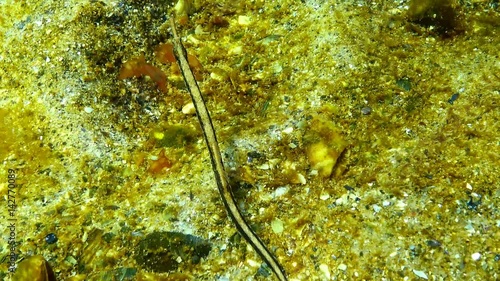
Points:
[[453, 98], [189, 109], [301, 178], [184, 7], [71, 260], [342, 267], [51, 238], [366, 110], [244, 20], [280, 191], [216, 76], [277, 226], [88, 109], [326, 271], [324, 196], [327, 145], [433, 243], [420, 274], [476, 256], [253, 263]]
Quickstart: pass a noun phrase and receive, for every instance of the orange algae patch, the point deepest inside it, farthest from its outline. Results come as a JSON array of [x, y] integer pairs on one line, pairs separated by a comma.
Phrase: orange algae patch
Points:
[[165, 53], [160, 164], [183, 20], [138, 67], [196, 67]]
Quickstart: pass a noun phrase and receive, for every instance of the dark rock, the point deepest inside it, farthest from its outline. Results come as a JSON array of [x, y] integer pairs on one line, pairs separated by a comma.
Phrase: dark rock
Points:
[[164, 251]]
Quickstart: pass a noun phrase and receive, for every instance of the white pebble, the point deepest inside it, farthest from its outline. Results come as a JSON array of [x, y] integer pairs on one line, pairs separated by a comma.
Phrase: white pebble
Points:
[[88, 109], [189, 109], [301, 178], [216, 76], [253, 263], [420, 274], [476, 256], [324, 196], [326, 271], [280, 191]]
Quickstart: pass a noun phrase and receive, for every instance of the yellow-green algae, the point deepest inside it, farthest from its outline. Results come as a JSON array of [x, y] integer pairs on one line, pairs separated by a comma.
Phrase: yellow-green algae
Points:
[[417, 168]]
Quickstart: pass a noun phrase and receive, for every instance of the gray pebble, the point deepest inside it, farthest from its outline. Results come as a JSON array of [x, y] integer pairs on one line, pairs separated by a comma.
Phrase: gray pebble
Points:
[[366, 110]]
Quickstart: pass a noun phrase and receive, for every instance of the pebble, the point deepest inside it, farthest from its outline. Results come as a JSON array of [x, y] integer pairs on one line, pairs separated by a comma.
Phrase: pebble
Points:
[[88, 109], [301, 178], [326, 271], [288, 130], [280, 191], [433, 243], [476, 256], [277, 226], [189, 109], [366, 110], [324, 196], [216, 76], [244, 20], [420, 274], [51, 238], [453, 98]]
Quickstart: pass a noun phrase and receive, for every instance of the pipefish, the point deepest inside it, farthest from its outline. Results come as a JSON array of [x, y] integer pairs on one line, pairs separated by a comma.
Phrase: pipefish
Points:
[[225, 191]]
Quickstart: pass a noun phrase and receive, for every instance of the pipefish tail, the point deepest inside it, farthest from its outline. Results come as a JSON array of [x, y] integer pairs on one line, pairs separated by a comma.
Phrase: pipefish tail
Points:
[[216, 159]]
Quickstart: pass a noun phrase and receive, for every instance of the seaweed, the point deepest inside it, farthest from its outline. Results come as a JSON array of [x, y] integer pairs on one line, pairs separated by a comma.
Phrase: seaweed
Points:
[[440, 17], [138, 67]]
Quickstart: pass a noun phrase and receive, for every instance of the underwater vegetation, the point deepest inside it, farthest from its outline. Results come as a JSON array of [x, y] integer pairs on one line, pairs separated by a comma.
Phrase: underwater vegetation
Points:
[[138, 67], [441, 17], [162, 162], [161, 251]]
